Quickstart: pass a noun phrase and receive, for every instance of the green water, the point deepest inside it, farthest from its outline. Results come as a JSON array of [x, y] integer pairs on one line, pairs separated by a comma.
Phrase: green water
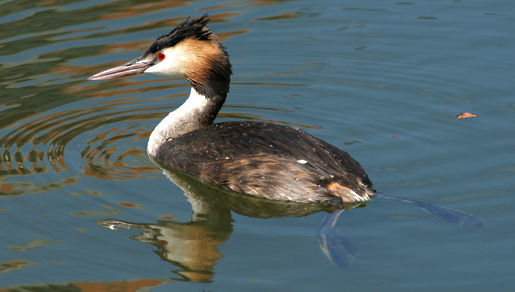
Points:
[[82, 206]]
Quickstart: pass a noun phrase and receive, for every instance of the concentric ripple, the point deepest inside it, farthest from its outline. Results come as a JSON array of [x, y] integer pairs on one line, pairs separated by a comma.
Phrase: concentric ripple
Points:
[[112, 147]]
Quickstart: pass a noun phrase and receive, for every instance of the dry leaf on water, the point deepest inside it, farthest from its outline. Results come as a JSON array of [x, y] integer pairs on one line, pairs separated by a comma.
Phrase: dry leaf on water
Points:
[[465, 115]]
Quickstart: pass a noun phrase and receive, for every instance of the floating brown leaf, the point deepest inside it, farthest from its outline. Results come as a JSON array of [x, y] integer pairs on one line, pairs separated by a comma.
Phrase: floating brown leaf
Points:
[[465, 115]]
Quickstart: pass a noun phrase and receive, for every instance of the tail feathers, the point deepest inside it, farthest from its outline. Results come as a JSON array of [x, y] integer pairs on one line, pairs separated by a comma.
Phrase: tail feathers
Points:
[[347, 195]]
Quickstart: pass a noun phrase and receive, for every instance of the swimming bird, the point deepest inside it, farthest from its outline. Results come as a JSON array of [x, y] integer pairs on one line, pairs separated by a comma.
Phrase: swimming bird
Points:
[[265, 160]]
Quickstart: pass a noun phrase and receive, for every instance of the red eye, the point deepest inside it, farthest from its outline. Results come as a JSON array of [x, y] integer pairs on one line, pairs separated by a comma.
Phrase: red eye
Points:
[[161, 56]]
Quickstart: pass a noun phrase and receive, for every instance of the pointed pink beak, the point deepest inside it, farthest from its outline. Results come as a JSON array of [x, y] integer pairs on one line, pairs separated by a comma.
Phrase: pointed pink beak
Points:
[[131, 68]]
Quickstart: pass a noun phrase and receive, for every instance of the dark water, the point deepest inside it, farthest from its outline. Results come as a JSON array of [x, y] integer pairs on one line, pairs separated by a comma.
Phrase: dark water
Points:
[[83, 207]]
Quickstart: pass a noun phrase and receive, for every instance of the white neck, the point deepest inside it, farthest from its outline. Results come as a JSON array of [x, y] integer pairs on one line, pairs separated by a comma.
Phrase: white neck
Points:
[[186, 118]]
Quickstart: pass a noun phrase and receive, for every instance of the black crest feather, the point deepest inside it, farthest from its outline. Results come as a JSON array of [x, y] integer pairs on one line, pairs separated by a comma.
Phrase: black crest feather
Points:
[[191, 28], [215, 79]]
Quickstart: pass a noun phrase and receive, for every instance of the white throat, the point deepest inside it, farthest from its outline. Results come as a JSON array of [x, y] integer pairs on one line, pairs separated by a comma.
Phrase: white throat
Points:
[[180, 121]]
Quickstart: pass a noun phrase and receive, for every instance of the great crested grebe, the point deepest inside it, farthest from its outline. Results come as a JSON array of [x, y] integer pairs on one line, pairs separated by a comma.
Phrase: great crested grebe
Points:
[[264, 160]]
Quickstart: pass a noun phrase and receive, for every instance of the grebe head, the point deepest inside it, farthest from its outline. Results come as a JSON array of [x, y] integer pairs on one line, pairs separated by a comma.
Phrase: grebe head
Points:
[[191, 50]]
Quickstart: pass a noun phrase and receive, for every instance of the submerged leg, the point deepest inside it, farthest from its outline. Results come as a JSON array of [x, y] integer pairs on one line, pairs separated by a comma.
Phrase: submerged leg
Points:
[[449, 215], [338, 249]]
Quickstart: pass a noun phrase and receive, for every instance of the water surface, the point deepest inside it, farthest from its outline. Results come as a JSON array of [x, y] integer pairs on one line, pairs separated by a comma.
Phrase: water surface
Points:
[[82, 206]]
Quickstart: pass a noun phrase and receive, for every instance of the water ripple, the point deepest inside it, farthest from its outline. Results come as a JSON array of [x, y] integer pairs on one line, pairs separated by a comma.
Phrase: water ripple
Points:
[[109, 151]]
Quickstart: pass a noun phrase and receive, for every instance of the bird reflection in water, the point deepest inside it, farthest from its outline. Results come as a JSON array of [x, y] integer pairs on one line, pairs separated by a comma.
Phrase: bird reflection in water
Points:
[[193, 246]]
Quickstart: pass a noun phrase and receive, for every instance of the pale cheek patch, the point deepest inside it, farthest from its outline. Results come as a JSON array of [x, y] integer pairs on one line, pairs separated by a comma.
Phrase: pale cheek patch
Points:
[[174, 63]]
